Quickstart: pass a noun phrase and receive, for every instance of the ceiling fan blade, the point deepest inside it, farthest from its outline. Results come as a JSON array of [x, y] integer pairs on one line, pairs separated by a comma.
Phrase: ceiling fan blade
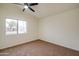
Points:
[[32, 4], [23, 9], [31, 9], [26, 4]]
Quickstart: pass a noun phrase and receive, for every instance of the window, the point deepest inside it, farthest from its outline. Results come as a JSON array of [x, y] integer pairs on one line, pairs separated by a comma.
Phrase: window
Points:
[[15, 26], [11, 26], [21, 27]]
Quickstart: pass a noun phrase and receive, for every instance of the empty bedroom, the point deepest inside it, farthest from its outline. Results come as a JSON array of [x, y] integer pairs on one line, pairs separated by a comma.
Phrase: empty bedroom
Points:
[[39, 29]]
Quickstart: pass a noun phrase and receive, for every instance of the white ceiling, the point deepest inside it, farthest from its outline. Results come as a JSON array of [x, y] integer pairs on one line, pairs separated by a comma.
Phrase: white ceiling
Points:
[[47, 9], [43, 10]]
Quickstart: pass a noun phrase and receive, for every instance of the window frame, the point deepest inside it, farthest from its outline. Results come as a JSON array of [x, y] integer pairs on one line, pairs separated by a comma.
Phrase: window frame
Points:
[[17, 27]]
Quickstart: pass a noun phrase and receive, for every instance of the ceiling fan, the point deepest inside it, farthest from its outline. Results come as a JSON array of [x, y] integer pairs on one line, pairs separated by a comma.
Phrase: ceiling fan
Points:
[[27, 5]]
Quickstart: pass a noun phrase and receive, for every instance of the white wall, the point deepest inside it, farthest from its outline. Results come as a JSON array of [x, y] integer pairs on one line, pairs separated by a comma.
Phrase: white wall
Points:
[[61, 29], [14, 12]]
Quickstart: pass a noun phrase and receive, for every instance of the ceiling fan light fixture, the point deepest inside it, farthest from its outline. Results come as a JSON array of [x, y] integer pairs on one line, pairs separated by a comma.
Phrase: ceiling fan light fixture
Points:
[[25, 7]]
